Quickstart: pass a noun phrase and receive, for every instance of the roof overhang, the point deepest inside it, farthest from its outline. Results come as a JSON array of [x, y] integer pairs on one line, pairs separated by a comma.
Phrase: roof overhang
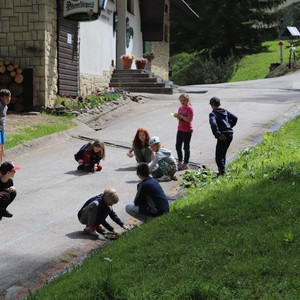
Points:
[[291, 31]]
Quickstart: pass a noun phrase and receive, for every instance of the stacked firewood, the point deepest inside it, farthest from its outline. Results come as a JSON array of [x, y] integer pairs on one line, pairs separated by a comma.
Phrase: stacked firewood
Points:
[[11, 78]]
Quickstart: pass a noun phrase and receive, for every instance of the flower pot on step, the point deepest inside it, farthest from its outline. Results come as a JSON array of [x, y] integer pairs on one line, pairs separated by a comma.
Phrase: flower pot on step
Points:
[[140, 64], [126, 63]]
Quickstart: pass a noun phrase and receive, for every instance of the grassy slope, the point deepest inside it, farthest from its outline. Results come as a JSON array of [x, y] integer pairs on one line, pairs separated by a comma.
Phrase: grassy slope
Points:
[[256, 66], [29, 133], [235, 238]]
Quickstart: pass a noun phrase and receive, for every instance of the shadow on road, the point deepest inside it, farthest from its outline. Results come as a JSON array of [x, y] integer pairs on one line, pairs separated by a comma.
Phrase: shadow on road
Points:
[[76, 235], [132, 168]]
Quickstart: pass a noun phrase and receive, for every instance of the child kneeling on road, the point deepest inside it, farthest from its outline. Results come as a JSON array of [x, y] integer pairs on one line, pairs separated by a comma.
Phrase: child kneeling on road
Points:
[[94, 212], [163, 166], [90, 155], [7, 189]]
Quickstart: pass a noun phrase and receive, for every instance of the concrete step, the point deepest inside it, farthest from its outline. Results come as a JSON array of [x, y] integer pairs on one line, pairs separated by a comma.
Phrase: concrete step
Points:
[[136, 79], [131, 75], [137, 84], [151, 90], [142, 81]]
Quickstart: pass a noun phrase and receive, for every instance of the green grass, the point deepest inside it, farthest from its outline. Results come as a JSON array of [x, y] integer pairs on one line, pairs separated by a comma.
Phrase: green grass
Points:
[[256, 66], [236, 237], [33, 132]]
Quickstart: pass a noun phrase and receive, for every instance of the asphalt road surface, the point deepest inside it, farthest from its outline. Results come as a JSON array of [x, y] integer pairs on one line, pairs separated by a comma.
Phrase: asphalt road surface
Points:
[[44, 232]]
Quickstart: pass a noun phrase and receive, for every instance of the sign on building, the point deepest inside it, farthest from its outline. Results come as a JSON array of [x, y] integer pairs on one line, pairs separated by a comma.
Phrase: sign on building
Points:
[[83, 10]]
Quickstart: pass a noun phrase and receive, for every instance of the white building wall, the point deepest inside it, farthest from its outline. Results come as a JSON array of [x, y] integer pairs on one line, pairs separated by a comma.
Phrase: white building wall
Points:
[[97, 43], [136, 43]]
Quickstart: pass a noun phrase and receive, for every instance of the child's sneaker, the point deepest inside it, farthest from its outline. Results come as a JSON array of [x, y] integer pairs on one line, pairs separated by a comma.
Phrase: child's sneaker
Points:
[[174, 177], [99, 229], [164, 178], [182, 167], [91, 231]]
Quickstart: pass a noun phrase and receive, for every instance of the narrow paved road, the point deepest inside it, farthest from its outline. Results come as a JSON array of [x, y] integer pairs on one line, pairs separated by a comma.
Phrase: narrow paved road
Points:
[[44, 230]]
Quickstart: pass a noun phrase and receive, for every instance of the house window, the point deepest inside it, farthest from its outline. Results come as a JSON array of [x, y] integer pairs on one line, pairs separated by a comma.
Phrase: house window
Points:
[[130, 6]]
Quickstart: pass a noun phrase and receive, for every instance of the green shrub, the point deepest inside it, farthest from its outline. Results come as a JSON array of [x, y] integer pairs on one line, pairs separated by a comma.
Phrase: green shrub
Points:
[[179, 65], [197, 69]]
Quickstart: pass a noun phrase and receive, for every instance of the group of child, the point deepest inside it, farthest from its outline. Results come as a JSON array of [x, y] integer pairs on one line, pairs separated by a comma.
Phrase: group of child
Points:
[[155, 164], [163, 165], [150, 200]]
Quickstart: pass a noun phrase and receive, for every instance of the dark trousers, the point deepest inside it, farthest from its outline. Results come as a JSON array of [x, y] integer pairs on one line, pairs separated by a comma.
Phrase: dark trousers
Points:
[[221, 150], [185, 139], [7, 199]]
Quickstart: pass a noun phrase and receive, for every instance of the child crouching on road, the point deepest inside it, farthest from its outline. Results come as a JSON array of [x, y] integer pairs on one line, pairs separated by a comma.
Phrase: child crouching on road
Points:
[[7, 189], [90, 155], [163, 166], [94, 212]]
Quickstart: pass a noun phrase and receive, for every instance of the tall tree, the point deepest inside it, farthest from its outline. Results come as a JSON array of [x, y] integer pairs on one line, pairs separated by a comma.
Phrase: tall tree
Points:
[[224, 26]]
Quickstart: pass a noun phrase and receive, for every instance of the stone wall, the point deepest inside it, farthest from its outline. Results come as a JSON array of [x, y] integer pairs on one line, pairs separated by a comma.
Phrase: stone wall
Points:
[[161, 50], [92, 83], [28, 38]]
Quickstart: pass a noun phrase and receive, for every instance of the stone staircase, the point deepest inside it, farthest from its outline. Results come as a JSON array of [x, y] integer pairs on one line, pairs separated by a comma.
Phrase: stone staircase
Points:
[[140, 81]]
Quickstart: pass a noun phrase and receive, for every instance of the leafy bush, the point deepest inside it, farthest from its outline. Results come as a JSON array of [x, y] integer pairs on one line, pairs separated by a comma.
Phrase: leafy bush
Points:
[[179, 64], [198, 69]]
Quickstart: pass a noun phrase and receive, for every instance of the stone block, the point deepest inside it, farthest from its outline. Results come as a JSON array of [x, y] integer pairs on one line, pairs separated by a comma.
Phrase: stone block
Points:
[[7, 12], [33, 17], [10, 39], [27, 2], [14, 21], [18, 28], [22, 9], [18, 36], [12, 50]]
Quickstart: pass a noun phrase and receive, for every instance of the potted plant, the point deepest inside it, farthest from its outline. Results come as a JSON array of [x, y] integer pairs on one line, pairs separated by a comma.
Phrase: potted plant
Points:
[[148, 55], [127, 60], [141, 62]]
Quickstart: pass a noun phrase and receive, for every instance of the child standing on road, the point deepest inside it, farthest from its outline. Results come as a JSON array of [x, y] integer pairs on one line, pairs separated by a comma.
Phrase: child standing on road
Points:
[[94, 212], [7, 190], [163, 166], [90, 155], [140, 146], [221, 122], [185, 116], [5, 96]]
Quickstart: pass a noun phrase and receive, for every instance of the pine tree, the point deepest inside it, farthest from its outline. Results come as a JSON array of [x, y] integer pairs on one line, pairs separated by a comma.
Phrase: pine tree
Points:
[[224, 26]]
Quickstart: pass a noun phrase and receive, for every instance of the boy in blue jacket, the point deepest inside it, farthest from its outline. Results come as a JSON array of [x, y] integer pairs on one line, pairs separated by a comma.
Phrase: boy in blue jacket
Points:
[[150, 199], [94, 212], [221, 122]]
